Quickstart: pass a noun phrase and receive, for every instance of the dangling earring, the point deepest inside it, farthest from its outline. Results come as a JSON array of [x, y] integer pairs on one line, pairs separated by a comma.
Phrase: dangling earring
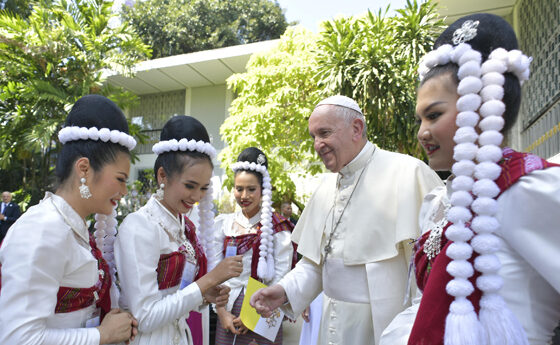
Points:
[[84, 189], [159, 192]]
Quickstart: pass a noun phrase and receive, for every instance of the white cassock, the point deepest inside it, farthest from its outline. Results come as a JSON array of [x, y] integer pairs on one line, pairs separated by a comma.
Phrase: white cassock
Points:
[[143, 236], [372, 205], [46, 248], [529, 214]]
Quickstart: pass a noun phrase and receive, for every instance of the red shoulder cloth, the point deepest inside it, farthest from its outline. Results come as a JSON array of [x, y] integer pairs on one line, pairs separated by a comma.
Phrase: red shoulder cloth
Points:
[[70, 299], [253, 241], [431, 275], [170, 266]]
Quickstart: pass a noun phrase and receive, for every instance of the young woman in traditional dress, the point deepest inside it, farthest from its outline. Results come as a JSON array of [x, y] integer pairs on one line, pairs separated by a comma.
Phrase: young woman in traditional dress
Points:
[[161, 262], [262, 236], [487, 264], [56, 284]]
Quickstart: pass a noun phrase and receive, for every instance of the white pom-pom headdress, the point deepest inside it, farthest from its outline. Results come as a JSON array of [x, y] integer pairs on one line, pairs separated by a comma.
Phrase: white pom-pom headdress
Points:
[[73, 133], [265, 268], [184, 145], [480, 92]]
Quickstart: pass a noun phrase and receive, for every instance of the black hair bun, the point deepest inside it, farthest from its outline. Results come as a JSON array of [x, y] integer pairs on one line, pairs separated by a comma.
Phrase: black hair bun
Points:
[[253, 155], [97, 111], [184, 127], [492, 32]]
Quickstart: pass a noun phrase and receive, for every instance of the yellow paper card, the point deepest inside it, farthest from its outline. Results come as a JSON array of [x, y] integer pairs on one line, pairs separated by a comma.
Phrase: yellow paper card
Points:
[[266, 327]]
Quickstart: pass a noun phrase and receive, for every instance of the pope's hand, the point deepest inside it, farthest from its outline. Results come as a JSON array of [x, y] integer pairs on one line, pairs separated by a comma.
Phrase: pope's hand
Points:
[[266, 300]]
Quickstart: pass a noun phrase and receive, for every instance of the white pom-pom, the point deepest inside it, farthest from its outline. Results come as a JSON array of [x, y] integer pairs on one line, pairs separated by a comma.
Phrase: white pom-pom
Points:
[[458, 214], [463, 167], [489, 153], [487, 263], [459, 287], [495, 123], [459, 251], [464, 151], [469, 85], [470, 102], [485, 224], [489, 283], [460, 269], [487, 170], [471, 55], [104, 134], [490, 66], [486, 188], [486, 243], [115, 136], [458, 233], [493, 78], [490, 137], [492, 92], [471, 68], [93, 133], [493, 107], [83, 133], [467, 118], [461, 198], [458, 52], [465, 135], [485, 206], [462, 183]]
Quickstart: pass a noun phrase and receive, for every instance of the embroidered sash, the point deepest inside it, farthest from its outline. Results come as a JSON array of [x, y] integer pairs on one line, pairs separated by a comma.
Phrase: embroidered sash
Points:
[[70, 299], [432, 276], [170, 266], [253, 241]]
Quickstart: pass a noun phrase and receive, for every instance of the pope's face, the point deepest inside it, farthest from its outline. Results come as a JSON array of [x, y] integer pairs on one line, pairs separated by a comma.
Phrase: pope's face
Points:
[[333, 137]]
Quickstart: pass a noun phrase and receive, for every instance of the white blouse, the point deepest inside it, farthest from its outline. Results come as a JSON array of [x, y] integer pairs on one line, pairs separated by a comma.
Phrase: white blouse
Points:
[[283, 251], [530, 254], [143, 236], [46, 248]]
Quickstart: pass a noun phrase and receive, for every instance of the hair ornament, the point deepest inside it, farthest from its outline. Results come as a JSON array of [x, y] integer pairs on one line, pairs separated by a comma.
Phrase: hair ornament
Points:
[[265, 268], [466, 32], [184, 145], [73, 133]]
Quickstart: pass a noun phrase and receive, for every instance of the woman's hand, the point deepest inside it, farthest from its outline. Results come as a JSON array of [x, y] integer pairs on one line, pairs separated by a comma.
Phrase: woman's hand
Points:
[[226, 320], [218, 295], [238, 324], [226, 269], [116, 327]]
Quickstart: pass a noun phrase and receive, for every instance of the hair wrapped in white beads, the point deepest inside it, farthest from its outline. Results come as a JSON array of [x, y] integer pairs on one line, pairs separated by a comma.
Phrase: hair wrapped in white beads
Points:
[[265, 268], [480, 92], [73, 133], [105, 233]]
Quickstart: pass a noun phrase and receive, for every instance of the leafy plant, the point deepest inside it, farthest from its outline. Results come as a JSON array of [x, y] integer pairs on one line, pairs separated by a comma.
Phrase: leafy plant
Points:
[[47, 61]]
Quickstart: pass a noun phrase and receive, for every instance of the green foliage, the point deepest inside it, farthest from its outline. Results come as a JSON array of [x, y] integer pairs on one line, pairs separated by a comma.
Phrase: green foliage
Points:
[[274, 99], [374, 60], [21, 8], [48, 61], [174, 27]]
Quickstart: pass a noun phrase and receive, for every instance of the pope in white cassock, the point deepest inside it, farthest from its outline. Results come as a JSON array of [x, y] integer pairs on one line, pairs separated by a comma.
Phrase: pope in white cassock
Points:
[[355, 232]]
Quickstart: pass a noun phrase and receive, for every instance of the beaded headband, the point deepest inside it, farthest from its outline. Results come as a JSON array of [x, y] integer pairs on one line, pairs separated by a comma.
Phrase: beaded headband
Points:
[[265, 268], [480, 91], [184, 145], [73, 133]]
